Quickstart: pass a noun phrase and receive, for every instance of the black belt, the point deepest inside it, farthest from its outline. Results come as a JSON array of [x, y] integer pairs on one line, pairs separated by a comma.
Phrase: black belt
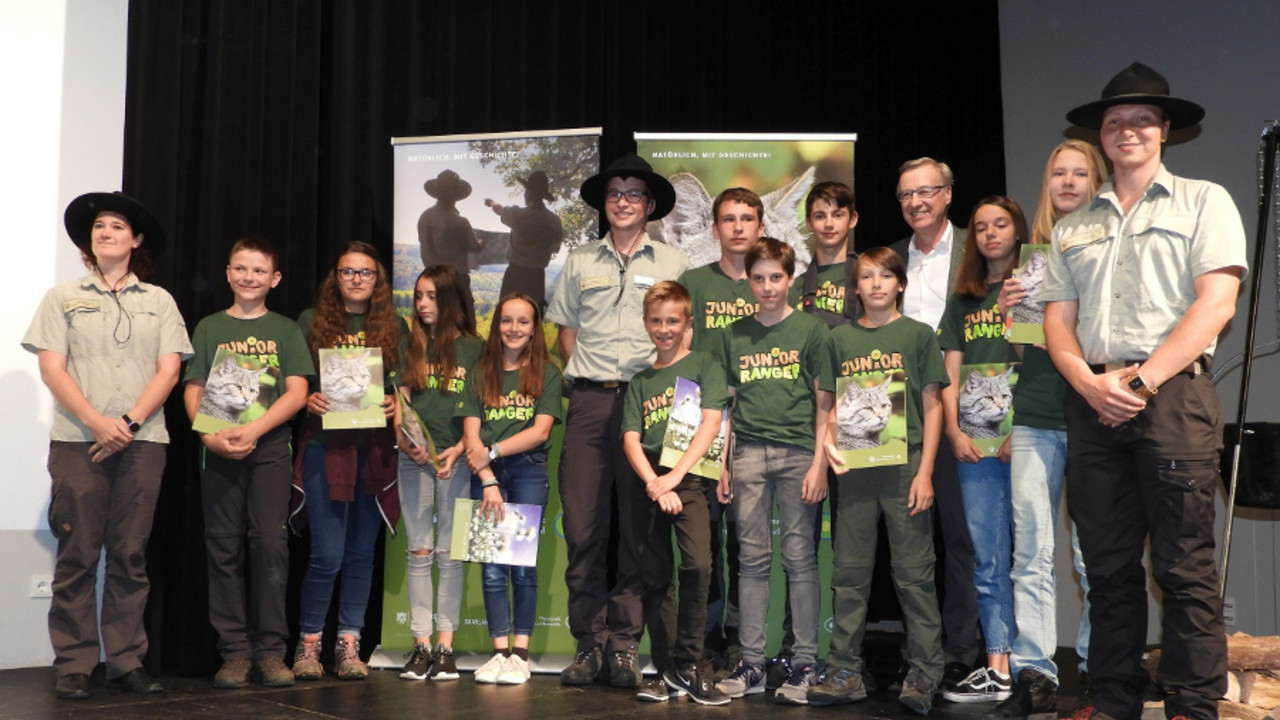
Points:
[[1199, 366], [600, 384]]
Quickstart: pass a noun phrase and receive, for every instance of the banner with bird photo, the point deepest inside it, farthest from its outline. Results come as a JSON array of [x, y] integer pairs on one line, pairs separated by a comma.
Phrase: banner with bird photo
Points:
[[1025, 323], [683, 424], [780, 168], [351, 378], [871, 419], [239, 389], [985, 404]]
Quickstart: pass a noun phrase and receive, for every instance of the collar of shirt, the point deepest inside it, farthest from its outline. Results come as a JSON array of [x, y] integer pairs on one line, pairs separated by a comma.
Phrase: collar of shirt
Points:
[[643, 245], [942, 249], [95, 281], [1161, 183]]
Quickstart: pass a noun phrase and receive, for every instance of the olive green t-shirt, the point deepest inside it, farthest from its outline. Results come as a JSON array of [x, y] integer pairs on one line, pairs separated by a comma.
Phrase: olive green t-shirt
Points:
[[830, 291], [438, 406], [516, 410], [976, 328], [718, 301], [903, 344], [650, 396], [773, 370], [1041, 391]]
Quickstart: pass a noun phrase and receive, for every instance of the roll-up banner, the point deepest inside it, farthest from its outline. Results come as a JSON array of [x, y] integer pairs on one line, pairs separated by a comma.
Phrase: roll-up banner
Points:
[[781, 169], [457, 200]]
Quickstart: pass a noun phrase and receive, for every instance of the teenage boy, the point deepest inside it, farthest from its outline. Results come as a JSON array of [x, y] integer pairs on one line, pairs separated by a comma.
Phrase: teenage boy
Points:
[[773, 361], [245, 479], [667, 498], [831, 217]]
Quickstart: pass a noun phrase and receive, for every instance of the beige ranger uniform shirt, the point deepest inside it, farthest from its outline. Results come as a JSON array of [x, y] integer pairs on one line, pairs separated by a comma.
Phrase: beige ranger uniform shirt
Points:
[[111, 348], [603, 298]]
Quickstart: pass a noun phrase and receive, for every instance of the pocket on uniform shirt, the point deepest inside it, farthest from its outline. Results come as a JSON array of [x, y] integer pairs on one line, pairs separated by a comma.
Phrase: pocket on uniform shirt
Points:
[[85, 331]]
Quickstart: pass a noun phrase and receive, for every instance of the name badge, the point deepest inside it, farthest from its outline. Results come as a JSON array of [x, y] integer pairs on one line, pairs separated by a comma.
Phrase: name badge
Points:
[[591, 283], [644, 281], [1084, 238]]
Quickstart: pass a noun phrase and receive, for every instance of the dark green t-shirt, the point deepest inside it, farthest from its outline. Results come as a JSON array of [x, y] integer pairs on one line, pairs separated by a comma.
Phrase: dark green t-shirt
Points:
[[1041, 391], [437, 409], [976, 328], [650, 396], [516, 411], [717, 301], [773, 370], [903, 344], [830, 291]]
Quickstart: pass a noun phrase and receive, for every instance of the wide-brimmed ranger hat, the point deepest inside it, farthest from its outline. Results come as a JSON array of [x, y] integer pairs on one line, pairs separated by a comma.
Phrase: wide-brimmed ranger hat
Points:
[[538, 184], [631, 165], [1138, 85], [448, 186], [80, 214]]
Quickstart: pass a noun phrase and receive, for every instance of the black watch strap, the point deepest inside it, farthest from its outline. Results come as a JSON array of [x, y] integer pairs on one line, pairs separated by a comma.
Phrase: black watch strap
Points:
[[134, 427]]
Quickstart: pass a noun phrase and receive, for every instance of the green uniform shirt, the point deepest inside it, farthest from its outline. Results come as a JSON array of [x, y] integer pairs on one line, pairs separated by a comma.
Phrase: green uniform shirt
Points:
[[649, 396], [830, 293], [437, 409], [718, 301], [976, 328], [273, 339], [1039, 396], [773, 370], [516, 411], [903, 344]]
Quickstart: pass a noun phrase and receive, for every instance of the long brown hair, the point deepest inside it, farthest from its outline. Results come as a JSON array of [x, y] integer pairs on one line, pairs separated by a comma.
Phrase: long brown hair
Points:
[[533, 358], [971, 277], [380, 319], [1046, 215], [453, 320]]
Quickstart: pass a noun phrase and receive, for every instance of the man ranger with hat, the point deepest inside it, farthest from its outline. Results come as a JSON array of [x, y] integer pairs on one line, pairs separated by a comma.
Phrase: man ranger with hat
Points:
[[598, 305], [445, 237], [536, 234], [1140, 282]]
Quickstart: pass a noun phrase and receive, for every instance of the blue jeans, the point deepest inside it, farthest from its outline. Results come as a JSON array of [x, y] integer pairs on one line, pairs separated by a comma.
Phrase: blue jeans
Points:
[[426, 507], [761, 473], [984, 487], [1039, 458], [344, 536], [522, 479]]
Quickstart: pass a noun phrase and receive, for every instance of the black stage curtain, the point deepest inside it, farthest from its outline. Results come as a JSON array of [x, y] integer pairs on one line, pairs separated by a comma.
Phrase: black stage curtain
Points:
[[274, 117]]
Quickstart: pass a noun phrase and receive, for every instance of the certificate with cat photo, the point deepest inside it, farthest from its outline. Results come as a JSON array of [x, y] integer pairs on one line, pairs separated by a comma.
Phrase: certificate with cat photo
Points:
[[871, 419], [683, 424], [414, 430], [1026, 319], [985, 410], [513, 540], [352, 380], [240, 388]]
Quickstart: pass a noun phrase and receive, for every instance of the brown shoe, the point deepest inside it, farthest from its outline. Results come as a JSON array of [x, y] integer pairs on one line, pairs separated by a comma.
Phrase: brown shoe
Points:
[[306, 660], [272, 672], [233, 674], [347, 664]]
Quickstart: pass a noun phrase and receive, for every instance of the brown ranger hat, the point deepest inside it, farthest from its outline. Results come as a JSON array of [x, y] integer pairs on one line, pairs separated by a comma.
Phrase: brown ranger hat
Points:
[[1138, 85], [631, 165], [538, 184], [448, 186], [80, 214]]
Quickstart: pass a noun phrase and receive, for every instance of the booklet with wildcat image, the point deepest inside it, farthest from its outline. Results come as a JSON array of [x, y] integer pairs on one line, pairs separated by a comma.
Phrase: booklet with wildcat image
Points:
[[352, 380], [683, 424], [239, 389], [1025, 323], [871, 419], [415, 430], [985, 411], [513, 540]]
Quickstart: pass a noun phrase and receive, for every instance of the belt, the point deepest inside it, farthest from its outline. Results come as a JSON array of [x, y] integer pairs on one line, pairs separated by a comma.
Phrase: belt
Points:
[[1199, 366], [599, 384]]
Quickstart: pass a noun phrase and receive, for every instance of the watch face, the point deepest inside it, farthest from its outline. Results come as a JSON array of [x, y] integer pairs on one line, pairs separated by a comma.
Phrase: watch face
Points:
[[1136, 384]]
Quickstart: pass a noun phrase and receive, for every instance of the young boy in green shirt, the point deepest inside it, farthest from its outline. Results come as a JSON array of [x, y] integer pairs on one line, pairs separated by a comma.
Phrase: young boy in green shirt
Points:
[[831, 217], [670, 498], [245, 479]]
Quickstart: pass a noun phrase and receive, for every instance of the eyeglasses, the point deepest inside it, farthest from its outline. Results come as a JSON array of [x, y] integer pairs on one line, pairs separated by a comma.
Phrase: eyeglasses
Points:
[[351, 273], [632, 196], [925, 192]]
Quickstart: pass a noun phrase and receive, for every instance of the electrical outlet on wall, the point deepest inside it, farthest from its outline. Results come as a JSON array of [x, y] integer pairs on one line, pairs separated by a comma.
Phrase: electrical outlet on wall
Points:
[[41, 586]]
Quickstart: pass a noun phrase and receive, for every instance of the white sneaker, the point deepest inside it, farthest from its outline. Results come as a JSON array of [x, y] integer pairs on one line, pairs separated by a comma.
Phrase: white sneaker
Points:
[[488, 672], [515, 671]]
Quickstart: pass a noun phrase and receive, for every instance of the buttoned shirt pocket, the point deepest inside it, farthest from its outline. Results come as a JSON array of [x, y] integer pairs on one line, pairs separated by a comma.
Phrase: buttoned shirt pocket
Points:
[[86, 328]]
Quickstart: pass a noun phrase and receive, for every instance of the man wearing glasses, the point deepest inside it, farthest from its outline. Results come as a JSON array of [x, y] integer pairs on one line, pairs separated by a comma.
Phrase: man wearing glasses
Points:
[[598, 306], [932, 253]]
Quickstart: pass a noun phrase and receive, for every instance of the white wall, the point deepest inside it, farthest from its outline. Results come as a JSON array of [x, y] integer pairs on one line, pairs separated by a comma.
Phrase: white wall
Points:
[[62, 70], [1222, 56]]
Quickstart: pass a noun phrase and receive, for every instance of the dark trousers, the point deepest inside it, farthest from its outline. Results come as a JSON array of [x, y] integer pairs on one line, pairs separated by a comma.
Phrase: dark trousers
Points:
[[675, 626], [959, 599], [95, 505], [1153, 477], [246, 505], [593, 477]]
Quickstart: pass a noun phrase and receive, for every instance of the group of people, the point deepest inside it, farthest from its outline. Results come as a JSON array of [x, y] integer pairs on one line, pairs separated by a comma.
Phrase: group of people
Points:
[[1141, 278]]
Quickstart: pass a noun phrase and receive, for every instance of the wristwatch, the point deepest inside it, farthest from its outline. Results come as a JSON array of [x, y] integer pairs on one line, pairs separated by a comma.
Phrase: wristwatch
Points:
[[493, 451], [134, 427], [1140, 387]]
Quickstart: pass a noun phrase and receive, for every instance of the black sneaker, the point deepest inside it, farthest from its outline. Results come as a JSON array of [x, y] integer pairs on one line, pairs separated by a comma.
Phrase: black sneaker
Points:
[[655, 690], [954, 673], [697, 682], [624, 668], [1033, 692], [584, 668], [776, 671], [73, 687], [442, 665], [838, 685], [419, 664], [982, 685], [917, 691]]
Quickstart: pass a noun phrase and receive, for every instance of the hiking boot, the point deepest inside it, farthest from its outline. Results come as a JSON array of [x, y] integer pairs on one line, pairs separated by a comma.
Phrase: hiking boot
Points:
[[795, 691], [419, 665], [306, 660], [746, 679], [442, 665], [73, 687], [515, 671], [624, 668], [272, 672], [840, 685], [696, 681], [982, 685], [487, 674], [917, 691], [776, 671], [347, 664], [1033, 692], [233, 674], [137, 681], [584, 668], [655, 690]]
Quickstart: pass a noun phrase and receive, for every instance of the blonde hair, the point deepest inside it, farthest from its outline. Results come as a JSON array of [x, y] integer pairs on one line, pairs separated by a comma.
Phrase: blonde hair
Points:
[[1046, 216]]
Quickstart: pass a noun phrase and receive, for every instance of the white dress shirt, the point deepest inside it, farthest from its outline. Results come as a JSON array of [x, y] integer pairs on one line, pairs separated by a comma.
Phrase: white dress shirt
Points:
[[926, 294]]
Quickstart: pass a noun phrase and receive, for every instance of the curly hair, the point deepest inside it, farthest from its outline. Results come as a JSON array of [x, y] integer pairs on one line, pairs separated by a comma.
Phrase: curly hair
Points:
[[380, 325], [453, 320], [533, 359]]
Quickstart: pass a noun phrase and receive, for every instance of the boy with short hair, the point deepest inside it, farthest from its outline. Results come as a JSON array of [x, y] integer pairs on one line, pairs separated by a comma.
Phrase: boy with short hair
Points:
[[830, 214], [245, 478], [670, 498], [719, 290], [773, 360]]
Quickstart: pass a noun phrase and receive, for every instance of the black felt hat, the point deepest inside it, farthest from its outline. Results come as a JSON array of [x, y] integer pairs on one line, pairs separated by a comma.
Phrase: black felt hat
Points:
[[631, 165], [538, 184], [80, 214], [448, 186], [1138, 85]]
